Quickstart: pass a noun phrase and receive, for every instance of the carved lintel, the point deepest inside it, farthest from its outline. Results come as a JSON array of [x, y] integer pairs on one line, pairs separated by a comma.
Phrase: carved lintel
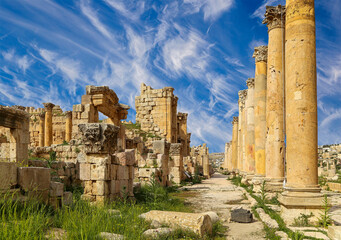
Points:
[[175, 149], [261, 54], [48, 106], [250, 82], [275, 17], [99, 137]]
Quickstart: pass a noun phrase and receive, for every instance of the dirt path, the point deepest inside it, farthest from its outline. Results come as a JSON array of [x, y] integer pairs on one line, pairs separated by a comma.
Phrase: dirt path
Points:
[[219, 195]]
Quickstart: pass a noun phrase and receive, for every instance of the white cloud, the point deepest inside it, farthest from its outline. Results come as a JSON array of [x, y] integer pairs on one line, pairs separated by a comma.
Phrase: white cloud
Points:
[[234, 61], [212, 8], [93, 18], [131, 11], [23, 62], [260, 11]]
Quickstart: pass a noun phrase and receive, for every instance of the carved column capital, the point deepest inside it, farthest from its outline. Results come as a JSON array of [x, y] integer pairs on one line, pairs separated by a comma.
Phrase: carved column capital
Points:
[[99, 137], [274, 17], [235, 120], [250, 82], [261, 54], [242, 97], [48, 106]]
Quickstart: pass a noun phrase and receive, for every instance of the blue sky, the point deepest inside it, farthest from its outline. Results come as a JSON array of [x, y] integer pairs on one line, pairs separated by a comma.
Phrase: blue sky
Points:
[[49, 51]]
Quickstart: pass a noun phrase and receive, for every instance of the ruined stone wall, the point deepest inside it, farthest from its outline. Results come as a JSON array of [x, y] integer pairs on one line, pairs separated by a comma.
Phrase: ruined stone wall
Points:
[[156, 111]]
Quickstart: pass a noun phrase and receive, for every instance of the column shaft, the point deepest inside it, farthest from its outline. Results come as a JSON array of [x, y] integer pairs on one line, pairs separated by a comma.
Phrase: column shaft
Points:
[[250, 127], [41, 129], [235, 144], [301, 96], [48, 124], [274, 148], [260, 56], [68, 126]]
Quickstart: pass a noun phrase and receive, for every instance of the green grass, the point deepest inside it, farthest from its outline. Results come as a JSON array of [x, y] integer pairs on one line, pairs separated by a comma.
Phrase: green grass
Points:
[[31, 220]]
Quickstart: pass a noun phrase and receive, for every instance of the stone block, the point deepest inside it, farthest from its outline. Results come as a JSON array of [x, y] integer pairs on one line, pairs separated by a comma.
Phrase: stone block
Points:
[[100, 188], [67, 198], [113, 171], [56, 189], [177, 161], [100, 172], [8, 175], [114, 186], [87, 187], [131, 172], [123, 172], [334, 232], [126, 158], [85, 171], [33, 178], [241, 215], [124, 187], [148, 172]]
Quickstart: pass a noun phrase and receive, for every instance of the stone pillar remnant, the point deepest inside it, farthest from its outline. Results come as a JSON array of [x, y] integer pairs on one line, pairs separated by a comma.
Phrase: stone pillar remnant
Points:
[[48, 123], [241, 129], [68, 125], [261, 57], [41, 129], [274, 148]]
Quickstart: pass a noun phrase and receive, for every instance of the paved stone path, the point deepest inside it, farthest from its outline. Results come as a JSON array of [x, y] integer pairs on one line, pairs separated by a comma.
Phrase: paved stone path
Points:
[[219, 195]]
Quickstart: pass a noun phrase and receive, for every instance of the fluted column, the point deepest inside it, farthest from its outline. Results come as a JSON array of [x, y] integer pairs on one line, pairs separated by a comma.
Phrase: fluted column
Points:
[[234, 143], [250, 127], [274, 148], [68, 125], [261, 57], [48, 123], [41, 129]]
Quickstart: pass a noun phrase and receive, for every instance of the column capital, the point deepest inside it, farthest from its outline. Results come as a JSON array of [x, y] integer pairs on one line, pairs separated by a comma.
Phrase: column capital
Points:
[[261, 54], [275, 17], [48, 106], [250, 82], [242, 96], [235, 120], [68, 114]]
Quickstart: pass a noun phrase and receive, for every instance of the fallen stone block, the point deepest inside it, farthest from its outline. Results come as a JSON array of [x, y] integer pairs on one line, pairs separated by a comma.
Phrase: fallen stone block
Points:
[[266, 218], [241, 215], [34, 178], [197, 222], [156, 233], [56, 189], [111, 236], [214, 216], [67, 198], [334, 232]]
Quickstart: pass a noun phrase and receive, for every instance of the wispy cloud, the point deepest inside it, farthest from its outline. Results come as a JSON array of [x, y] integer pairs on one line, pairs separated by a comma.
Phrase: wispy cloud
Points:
[[212, 9], [23, 62], [260, 11]]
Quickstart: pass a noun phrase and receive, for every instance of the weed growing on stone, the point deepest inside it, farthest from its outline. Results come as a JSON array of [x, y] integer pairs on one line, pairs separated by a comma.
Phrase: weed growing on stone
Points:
[[303, 220], [324, 219]]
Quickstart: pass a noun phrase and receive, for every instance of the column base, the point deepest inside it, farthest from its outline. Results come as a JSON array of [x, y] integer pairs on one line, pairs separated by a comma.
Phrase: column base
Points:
[[274, 184], [294, 203], [257, 182]]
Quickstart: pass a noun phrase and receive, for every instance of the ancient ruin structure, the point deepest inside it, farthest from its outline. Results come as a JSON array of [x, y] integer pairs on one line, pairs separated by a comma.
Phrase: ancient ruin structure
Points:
[[265, 119]]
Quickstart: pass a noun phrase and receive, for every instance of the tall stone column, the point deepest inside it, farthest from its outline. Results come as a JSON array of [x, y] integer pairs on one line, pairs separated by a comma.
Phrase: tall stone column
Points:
[[48, 124], [250, 127], [41, 129], [261, 57], [234, 143], [243, 130], [274, 148], [68, 125], [242, 95], [302, 193]]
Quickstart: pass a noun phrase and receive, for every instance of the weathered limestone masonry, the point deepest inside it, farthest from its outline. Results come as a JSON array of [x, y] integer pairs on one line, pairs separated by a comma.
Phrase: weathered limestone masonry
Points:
[[227, 157], [175, 164], [302, 193], [182, 133], [156, 111], [260, 55], [198, 154], [105, 174], [234, 144], [68, 126], [100, 99], [250, 128], [14, 135], [35, 182], [275, 21]]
